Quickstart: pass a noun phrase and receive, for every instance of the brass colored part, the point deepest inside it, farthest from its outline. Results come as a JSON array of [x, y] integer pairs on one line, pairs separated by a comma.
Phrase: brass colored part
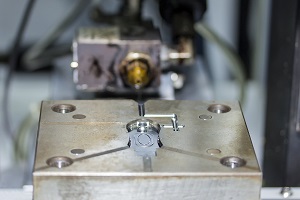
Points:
[[137, 74], [136, 70]]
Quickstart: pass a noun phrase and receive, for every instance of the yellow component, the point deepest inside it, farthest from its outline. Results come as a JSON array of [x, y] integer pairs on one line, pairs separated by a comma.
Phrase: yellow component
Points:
[[136, 70], [137, 74]]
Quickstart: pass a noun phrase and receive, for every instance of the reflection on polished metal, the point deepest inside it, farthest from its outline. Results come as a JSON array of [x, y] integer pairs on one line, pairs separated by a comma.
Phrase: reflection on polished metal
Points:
[[129, 155]]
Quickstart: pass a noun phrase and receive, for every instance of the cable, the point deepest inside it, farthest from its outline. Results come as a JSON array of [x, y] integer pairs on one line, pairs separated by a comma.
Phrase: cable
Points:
[[33, 55], [51, 53], [4, 58], [237, 66], [12, 66]]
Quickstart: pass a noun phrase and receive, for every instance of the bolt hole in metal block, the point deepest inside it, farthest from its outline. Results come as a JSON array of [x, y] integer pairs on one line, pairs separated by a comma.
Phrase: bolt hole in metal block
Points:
[[59, 162], [218, 108], [118, 153], [63, 108], [233, 162]]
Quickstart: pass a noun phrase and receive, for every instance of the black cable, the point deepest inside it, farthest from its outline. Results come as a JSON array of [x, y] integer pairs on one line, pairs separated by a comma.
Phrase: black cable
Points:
[[4, 58], [13, 61], [50, 54]]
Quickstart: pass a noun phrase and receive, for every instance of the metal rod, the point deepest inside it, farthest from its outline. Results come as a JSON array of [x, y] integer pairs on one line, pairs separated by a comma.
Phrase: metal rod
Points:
[[141, 109], [171, 126], [173, 117]]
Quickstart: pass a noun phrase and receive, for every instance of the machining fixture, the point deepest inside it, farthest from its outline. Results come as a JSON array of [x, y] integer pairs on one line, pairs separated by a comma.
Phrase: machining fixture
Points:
[[104, 149], [144, 137]]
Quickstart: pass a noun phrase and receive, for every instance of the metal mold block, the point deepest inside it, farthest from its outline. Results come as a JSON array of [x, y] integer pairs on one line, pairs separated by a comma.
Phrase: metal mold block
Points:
[[100, 53], [210, 156]]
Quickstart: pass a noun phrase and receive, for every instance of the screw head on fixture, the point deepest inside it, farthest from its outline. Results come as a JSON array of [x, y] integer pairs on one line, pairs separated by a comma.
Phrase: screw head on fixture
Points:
[[286, 192]]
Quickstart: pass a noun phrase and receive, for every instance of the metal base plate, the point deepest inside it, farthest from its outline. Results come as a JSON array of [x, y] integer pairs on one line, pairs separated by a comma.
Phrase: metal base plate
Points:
[[83, 153]]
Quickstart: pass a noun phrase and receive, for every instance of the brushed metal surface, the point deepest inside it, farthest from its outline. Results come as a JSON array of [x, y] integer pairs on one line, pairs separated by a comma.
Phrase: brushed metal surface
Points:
[[184, 167]]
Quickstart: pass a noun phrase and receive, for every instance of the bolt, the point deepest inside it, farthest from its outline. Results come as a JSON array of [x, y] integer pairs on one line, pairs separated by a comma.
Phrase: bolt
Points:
[[74, 64], [286, 192]]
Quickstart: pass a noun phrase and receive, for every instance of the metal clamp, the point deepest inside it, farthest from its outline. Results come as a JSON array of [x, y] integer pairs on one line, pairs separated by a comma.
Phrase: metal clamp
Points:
[[174, 120], [144, 137]]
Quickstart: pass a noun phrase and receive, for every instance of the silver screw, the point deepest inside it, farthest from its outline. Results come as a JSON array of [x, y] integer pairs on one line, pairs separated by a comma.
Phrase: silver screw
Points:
[[286, 192], [74, 64]]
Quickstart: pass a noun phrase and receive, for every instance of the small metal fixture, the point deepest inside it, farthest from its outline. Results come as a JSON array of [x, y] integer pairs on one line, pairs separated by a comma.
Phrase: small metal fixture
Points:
[[286, 192], [174, 120], [144, 136]]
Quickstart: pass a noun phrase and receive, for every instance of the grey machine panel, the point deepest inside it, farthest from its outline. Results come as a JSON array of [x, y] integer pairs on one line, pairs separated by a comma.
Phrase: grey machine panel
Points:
[[107, 149]]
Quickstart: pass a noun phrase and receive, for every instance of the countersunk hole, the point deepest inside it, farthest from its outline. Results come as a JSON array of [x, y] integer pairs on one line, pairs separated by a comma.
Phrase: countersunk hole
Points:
[[213, 151], [233, 162], [77, 151], [63, 108], [59, 161], [218, 108], [79, 116]]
